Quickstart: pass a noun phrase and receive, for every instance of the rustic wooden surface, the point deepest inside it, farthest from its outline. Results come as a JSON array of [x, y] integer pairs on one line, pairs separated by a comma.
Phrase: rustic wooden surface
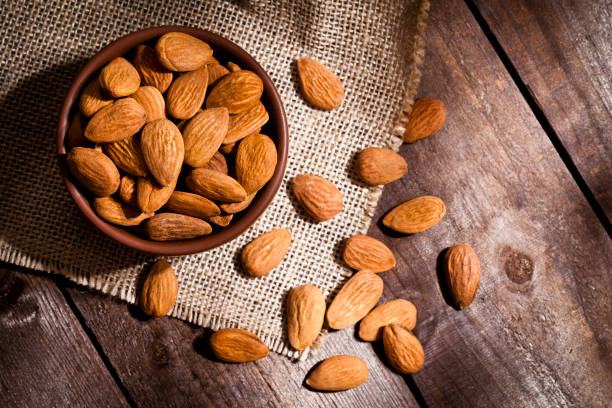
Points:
[[538, 333]]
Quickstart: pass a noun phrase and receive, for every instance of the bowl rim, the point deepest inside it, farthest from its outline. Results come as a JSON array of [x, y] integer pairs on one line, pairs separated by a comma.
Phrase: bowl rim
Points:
[[273, 103]]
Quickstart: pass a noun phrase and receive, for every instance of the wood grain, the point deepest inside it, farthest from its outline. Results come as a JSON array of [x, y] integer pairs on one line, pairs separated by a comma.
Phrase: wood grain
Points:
[[538, 332], [166, 362], [46, 359], [563, 53]]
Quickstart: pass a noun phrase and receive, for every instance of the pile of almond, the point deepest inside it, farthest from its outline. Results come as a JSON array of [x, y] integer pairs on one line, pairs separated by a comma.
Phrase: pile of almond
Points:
[[170, 139]]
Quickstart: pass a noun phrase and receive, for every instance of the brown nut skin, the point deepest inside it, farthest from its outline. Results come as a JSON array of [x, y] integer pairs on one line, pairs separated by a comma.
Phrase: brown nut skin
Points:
[[462, 270], [427, 117], [377, 166], [364, 252], [237, 346], [395, 311], [265, 252], [305, 315], [338, 373], [320, 87], [159, 290], [416, 215], [318, 196], [403, 349], [94, 170]]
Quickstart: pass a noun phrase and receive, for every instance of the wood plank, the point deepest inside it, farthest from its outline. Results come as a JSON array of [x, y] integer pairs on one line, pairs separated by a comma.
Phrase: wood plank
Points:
[[538, 333], [563, 52], [46, 359], [166, 362]]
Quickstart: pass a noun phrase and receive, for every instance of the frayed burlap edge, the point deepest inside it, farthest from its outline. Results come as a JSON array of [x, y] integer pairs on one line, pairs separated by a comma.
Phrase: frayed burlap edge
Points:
[[12, 256]]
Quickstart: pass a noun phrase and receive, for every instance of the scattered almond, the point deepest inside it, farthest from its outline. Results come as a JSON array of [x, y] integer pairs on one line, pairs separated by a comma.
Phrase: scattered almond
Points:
[[127, 155], [356, 298], [403, 349], [320, 87], [123, 118], [318, 196], [377, 166], [338, 373], [118, 213], [151, 71], [305, 315], [152, 101], [462, 269], [173, 227], [163, 150], [363, 252], [92, 100], [192, 204], [182, 52], [255, 162], [94, 170], [264, 253], [203, 135], [119, 78], [159, 290], [237, 346], [237, 91], [395, 311], [215, 185], [416, 215], [426, 118]]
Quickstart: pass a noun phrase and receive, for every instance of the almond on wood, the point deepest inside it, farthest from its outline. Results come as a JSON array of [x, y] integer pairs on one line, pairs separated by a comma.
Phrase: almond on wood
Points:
[[416, 215], [237, 346], [427, 117], [338, 373], [462, 270], [159, 290]]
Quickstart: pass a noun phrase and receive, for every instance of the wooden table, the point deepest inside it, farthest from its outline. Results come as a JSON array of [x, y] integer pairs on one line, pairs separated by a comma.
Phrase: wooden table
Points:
[[524, 165]]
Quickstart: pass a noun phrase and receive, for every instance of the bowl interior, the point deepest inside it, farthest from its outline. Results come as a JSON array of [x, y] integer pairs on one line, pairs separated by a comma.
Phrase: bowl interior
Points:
[[276, 128]]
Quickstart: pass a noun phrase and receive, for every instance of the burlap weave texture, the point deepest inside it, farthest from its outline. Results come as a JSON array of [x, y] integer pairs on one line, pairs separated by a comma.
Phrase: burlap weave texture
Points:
[[373, 46]]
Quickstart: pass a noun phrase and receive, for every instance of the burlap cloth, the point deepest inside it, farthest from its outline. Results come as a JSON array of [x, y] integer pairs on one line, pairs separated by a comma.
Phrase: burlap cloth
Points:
[[375, 47]]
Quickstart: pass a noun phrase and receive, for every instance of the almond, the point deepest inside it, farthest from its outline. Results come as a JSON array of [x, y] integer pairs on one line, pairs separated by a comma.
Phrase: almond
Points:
[[119, 78], [182, 52], [363, 252], [94, 170], [127, 155], [416, 215], [173, 227], [186, 94], [237, 346], [237, 91], [118, 213], [318, 196], [127, 191], [233, 208], [92, 100], [338, 373], [356, 298], [229, 148], [264, 253], [426, 118], [203, 135], [215, 185], [192, 204], [232, 67], [246, 123], [395, 311], [152, 101], [124, 118], [462, 269], [150, 195], [255, 162], [221, 220], [151, 71], [321, 88], [376, 166], [305, 315], [75, 136], [216, 71], [163, 150], [217, 163], [159, 290], [403, 349]]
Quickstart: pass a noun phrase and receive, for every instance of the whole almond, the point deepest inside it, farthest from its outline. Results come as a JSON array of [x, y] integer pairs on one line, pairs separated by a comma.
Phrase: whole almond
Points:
[[163, 150], [127, 155], [127, 191], [233, 208], [150, 195], [363, 252], [338, 373], [255, 162], [265, 252], [462, 269], [246, 123], [216, 71], [233, 67], [152, 101], [221, 220], [75, 136], [305, 315], [320, 86], [376, 166], [203, 135], [92, 100], [174, 227], [192, 204], [118, 213], [217, 163], [237, 91], [427, 117], [182, 52], [416, 215], [124, 118], [215, 185], [403, 349], [356, 298], [94, 170], [395, 311], [151, 71], [119, 78], [318, 196], [159, 290], [237, 346], [187, 93]]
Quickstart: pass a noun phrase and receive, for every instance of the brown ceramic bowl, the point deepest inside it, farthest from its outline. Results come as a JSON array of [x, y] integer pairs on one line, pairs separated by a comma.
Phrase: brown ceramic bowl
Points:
[[276, 128]]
